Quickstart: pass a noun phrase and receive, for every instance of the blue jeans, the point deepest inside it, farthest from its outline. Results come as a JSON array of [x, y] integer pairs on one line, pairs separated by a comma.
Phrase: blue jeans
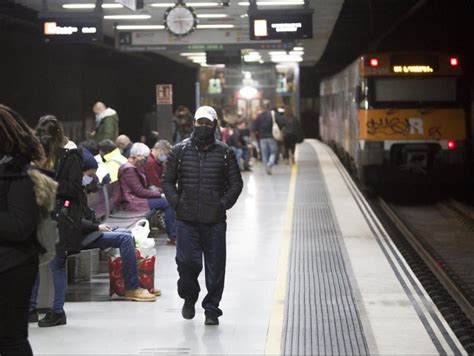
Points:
[[269, 148], [120, 238], [170, 220], [238, 152], [58, 269], [123, 240]]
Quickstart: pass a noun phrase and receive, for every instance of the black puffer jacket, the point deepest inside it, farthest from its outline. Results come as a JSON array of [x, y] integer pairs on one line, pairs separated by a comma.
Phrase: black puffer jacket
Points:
[[209, 182], [18, 215]]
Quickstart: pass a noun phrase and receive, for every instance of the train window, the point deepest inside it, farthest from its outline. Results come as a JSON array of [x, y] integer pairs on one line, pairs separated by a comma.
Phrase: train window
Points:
[[421, 90]]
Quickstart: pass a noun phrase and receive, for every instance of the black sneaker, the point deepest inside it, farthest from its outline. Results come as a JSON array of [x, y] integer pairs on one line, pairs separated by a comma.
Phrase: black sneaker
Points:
[[211, 320], [33, 316], [188, 310], [52, 319]]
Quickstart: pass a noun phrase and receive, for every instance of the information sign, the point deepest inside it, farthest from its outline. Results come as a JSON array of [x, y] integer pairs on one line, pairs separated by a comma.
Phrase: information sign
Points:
[[164, 94]]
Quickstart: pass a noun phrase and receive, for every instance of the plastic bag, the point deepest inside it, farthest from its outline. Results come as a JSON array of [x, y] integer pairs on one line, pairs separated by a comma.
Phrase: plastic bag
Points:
[[140, 232], [146, 271], [276, 132]]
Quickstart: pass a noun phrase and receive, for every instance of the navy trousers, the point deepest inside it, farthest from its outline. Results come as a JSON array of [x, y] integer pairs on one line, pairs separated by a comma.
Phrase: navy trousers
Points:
[[194, 241]]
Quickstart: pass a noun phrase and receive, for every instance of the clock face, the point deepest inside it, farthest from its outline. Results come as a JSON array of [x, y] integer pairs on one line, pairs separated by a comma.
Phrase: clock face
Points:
[[180, 20]]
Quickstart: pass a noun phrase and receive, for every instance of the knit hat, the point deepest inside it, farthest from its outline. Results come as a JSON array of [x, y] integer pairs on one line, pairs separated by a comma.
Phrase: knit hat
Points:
[[89, 160]]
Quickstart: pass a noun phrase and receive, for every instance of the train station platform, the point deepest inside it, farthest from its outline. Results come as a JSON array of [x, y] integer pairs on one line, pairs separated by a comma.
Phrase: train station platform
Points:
[[310, 270]]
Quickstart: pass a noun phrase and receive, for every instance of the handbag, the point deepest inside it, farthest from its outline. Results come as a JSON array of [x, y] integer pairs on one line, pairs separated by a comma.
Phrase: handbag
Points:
[[276, 132]]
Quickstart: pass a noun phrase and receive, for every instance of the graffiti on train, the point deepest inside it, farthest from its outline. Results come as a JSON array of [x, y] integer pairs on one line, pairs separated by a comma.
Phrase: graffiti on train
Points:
[[398, 126]]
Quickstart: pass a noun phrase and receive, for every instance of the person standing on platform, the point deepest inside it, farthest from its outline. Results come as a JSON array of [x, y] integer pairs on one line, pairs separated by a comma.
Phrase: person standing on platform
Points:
[[201, 181], [106, 123], [65, 160], [19, 211], [268, 145]]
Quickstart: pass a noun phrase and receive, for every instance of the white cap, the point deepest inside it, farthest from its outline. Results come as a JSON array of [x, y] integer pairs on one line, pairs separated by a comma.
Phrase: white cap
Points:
[[206, 112]]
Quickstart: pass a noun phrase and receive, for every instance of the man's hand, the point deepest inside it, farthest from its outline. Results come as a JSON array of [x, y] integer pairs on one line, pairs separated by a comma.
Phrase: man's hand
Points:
[[104, 228], [93, 133]]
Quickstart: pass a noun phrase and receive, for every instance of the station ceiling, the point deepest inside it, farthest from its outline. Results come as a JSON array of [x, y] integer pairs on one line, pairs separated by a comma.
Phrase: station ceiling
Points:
[[210, 12]]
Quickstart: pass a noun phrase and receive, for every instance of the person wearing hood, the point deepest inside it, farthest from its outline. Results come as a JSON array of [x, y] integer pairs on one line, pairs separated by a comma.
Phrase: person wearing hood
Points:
[[22, 198], [106, 123], [201, 181], [64, 159], [96, 235]]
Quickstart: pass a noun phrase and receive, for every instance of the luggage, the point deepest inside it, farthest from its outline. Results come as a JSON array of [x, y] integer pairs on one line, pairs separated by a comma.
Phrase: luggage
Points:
[[146, 271]]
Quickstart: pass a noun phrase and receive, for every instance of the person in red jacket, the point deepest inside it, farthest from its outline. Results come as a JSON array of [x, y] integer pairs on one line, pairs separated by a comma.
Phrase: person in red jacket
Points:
[[136, 196], [155, 164]]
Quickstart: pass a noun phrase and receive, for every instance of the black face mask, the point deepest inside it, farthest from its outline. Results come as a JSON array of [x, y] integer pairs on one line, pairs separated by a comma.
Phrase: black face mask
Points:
[[204, 135]]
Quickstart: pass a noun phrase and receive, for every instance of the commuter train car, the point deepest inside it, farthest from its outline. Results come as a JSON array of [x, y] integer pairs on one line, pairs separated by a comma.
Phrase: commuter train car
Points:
[[397, 117]]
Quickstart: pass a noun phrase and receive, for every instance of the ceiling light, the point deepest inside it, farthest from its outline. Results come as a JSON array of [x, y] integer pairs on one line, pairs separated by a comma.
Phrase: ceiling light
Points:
[[277, 53], [296, 53], [274, 3], [186, 54], [203, 4], [211, 16], [248, 92], [279, 59], [90, 6], [127, 17], [298, 49], [215, 26], [112, 6], [163, 4], [199, 60], [192, 4], [140, 27]]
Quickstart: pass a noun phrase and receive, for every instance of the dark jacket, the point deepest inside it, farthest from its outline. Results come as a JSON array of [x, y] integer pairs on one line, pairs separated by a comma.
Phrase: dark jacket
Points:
[[264, 122], [209, 182], [69, 177], [18, 216], [89, 224]]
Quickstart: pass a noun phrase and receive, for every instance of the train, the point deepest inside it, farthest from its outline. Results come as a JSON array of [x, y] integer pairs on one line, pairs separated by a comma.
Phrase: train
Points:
[[398, 117]]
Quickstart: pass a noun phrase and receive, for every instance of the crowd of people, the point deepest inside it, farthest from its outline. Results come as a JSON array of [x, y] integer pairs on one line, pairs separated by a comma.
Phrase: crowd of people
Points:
[[192, 183]]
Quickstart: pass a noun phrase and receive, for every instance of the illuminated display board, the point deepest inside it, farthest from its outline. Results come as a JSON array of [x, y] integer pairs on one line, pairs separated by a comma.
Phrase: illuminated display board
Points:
[[72, 30], [413, 69], [284, 24]]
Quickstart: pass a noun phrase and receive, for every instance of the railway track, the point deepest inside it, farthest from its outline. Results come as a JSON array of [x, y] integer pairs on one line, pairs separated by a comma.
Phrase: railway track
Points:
[[437, 240]]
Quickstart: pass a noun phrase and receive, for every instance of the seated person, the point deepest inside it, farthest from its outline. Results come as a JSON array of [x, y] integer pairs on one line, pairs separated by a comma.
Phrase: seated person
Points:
[[135, 194], [124, 144], [238, 144], [101, 236], [112, 157], [156, 162], [102, 173]]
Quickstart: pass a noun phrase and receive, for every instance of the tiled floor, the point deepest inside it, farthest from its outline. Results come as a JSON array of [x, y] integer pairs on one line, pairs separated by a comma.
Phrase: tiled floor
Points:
[[104, 327]]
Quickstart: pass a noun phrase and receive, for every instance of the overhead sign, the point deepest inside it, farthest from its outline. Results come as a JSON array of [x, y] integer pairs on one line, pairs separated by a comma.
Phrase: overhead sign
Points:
[[285, 24], [72, 30], [164, 94], [413, 69]]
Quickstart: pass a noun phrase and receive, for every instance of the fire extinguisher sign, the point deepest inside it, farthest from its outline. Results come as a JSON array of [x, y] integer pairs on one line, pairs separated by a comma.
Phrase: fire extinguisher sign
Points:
[[164, 94]]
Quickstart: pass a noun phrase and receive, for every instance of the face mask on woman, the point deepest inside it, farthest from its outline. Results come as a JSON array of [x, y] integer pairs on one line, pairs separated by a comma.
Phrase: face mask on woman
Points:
[[162, 158]]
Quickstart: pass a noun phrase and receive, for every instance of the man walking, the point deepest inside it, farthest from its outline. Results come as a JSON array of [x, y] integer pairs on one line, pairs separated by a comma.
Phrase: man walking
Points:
[[201, 181]]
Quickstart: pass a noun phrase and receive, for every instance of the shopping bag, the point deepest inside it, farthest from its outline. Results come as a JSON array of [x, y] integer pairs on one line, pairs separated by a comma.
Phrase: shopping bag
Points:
[[146, 271], [140, 232]]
